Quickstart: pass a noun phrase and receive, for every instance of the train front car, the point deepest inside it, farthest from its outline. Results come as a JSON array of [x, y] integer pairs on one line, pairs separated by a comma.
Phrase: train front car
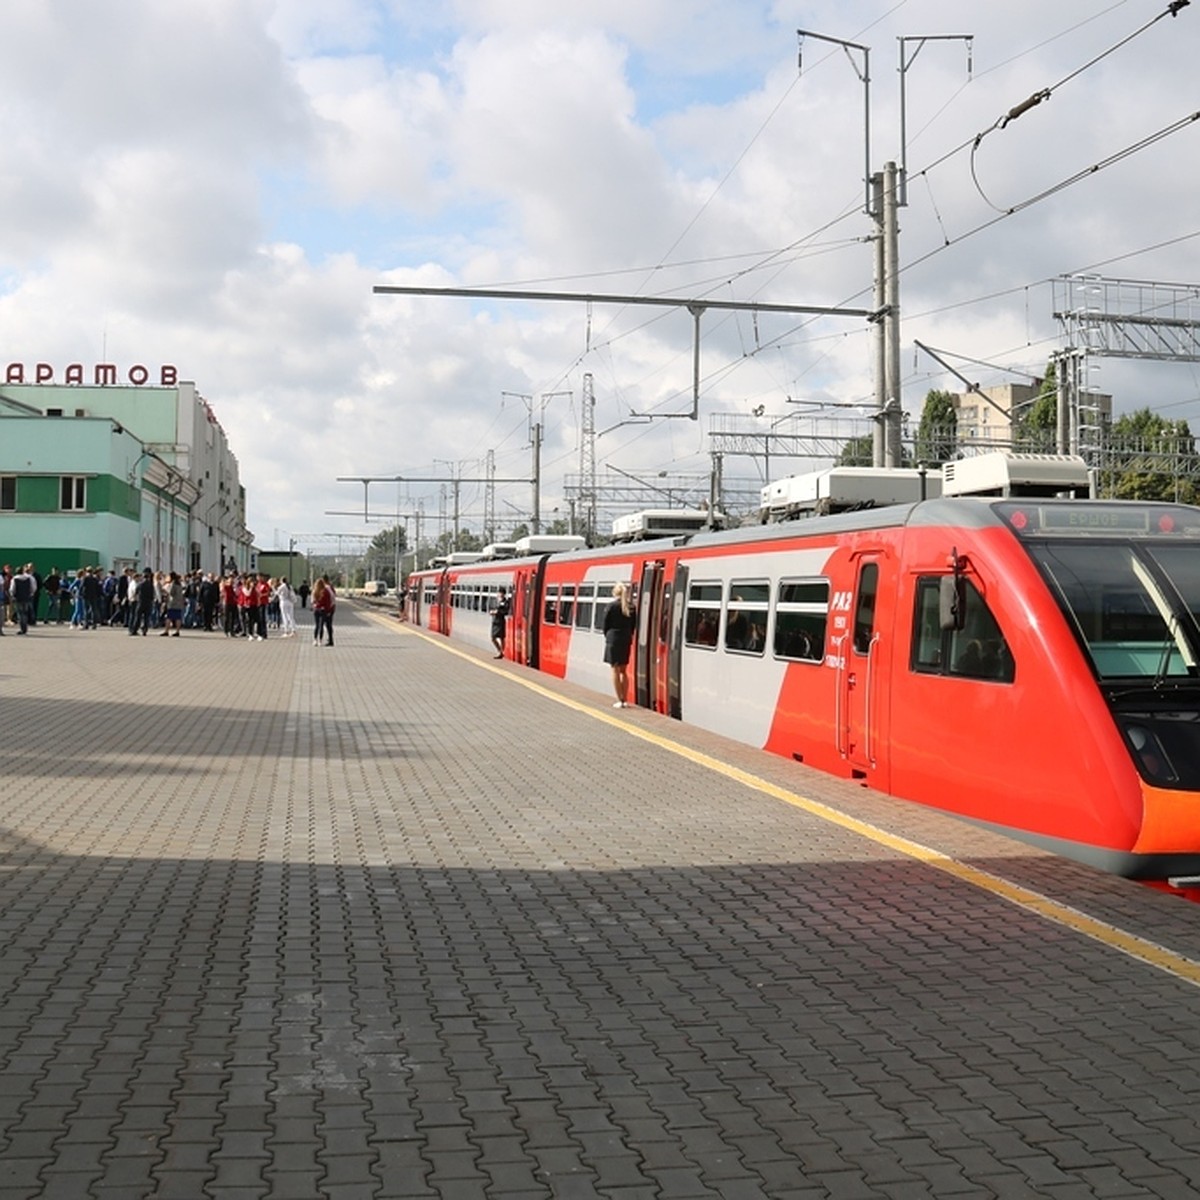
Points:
[[1045, 677], [1126, 578]]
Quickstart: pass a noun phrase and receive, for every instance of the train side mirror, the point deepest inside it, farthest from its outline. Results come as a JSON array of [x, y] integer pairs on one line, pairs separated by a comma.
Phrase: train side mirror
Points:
[[952, 602]]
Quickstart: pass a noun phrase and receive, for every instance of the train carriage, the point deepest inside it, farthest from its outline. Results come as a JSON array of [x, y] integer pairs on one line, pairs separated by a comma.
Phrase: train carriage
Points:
[[1032, 665]]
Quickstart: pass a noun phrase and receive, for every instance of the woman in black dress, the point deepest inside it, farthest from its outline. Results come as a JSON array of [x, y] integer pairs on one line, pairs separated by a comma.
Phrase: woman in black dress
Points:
[[619, 623], [499, 621]]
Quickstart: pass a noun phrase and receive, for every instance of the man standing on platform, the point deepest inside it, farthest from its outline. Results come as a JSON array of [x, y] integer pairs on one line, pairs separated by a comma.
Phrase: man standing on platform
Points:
[[23, 592], [143, 604]]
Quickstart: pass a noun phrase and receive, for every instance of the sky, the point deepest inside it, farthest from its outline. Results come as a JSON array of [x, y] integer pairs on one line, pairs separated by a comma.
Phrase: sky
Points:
[[219, 185]]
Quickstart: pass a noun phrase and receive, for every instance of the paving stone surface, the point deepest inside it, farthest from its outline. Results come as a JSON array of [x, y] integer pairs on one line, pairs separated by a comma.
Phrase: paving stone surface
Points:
[[378, 920]]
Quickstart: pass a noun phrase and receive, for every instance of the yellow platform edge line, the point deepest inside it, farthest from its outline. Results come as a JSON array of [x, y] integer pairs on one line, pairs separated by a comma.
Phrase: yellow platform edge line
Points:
[[1136, 947]]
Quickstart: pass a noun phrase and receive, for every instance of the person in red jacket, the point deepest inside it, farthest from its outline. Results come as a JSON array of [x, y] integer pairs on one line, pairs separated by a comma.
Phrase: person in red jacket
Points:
[[229, 606], [262, 594], [324, 600], [248, 607]]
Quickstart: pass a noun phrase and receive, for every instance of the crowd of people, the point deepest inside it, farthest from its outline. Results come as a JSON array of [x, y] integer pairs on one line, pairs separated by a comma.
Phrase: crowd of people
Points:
[[239, 604]]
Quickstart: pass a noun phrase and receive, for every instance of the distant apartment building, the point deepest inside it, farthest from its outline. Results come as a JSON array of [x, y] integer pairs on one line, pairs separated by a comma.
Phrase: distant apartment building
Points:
[[116, 473], [987, 419]]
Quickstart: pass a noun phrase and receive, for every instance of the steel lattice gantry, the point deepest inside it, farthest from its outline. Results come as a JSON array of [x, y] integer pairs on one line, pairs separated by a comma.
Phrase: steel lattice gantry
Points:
[[1129, 318]]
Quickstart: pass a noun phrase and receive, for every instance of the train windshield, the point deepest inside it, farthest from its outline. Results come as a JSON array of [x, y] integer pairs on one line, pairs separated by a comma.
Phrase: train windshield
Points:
[[1134, 605]]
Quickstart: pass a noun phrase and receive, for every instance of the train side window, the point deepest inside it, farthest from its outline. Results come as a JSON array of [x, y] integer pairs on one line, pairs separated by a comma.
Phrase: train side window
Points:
[[664, 615], [977, 651], [746, 616], [703, 615], [603, 599], [566, 604], [801, 616], [584, 605], [864, 608], [550, 614]]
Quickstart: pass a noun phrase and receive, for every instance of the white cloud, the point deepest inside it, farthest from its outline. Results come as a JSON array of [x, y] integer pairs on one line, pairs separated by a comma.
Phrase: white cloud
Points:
[[218, 184]]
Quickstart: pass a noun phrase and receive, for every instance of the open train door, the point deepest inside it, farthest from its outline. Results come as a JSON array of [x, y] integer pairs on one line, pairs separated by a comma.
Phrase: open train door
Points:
[[439, 617], [650, 598], [526, 612], [673, 636], [862, 663]]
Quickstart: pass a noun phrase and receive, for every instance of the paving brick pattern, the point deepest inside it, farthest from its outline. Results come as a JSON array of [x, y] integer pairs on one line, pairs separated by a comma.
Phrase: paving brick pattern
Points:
[[378, 922]]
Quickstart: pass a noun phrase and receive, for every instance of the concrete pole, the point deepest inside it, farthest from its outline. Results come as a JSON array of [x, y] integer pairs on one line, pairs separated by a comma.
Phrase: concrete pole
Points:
[[1062, 417], [894, 450], [879, 440], [536, 522]]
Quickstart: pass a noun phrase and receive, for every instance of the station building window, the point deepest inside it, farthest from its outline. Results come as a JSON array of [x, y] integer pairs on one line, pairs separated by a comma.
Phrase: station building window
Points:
[[8, 493], [73, 493]]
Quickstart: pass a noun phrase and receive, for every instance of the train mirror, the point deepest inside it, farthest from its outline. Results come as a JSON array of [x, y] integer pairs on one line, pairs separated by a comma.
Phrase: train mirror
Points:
[[952, 602]]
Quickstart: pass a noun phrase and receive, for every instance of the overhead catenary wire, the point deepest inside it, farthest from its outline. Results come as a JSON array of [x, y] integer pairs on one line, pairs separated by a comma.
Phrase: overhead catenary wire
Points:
[[1173, 9], [781, 258]]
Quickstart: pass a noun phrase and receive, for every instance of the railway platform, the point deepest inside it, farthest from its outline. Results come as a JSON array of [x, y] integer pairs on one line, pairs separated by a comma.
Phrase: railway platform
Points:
[[394, 920]]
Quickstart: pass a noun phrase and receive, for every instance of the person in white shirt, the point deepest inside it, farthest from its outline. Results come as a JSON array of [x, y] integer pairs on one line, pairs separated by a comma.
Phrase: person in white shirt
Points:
[[287, 608]]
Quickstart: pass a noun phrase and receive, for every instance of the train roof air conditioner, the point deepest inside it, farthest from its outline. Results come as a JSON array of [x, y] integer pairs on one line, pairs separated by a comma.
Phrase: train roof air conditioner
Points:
[[1002, 474]]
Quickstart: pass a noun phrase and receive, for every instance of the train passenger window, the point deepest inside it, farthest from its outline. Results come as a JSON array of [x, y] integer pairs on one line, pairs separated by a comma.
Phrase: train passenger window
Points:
[[864, 608], [584, 605], [977, 651], [746, 616], [603, 598], [703, 615], [566, 604], [801, 615], [664, 615], [550, 615]]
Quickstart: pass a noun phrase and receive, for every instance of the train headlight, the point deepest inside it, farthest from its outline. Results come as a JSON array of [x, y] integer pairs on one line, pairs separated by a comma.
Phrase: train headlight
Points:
[[1150, 754]]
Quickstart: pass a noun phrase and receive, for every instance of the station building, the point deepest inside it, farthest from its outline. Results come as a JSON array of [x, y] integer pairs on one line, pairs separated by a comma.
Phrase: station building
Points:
[[100, 471]]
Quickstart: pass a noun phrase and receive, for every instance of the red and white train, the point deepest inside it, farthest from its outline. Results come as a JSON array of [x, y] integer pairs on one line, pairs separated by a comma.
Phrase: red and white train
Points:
[[1029, 664]]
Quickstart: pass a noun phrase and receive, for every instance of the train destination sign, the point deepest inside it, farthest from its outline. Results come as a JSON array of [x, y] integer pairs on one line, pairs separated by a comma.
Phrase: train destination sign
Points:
[[1121, 517], [102, 375]]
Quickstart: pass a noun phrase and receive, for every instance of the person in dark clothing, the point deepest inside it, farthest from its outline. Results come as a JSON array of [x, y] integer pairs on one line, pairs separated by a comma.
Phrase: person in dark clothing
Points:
[[53, 583], [210, 597], [93, 592], [302, 591], [37, 593], [500, 615], [620, 621], [144, 601], [23, 594]]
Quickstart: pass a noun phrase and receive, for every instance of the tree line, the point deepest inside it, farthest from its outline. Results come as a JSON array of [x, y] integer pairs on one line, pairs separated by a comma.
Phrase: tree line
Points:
[[1144, 456]]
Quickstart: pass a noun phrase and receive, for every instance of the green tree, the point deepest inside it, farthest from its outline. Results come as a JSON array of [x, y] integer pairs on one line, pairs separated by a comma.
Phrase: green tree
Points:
[[1035, 427], [937, 434], [447, 543], [382, 554], [858, 452], [1151, 458]]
